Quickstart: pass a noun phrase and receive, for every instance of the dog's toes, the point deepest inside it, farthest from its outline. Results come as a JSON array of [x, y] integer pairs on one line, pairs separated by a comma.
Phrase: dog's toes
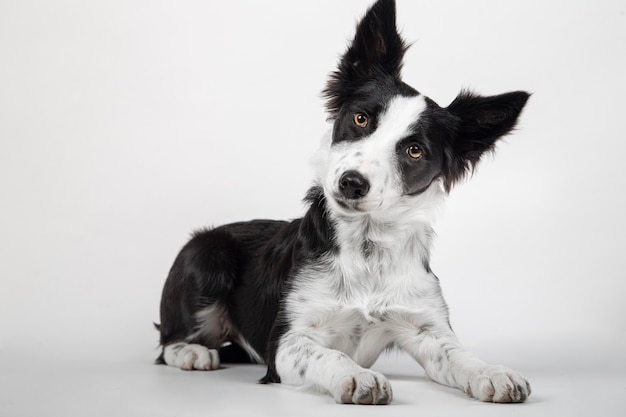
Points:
[[366, 387], [206, 360], [498, 384], [192, 356]]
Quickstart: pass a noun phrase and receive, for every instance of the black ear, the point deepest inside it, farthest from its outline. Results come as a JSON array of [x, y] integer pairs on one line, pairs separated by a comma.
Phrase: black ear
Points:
[[479, 123], [375, 52]]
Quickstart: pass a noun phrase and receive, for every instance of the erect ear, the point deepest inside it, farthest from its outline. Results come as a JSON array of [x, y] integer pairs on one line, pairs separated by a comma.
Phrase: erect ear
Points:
[[479, 123], [375, 52]]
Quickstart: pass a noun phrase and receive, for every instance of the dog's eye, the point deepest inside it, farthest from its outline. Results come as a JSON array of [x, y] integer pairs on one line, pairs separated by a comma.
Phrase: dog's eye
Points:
[[414, 151], [360, 119]]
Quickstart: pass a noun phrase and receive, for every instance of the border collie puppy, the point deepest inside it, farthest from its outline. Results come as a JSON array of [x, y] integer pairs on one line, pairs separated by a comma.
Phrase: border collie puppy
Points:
[[319, 298]]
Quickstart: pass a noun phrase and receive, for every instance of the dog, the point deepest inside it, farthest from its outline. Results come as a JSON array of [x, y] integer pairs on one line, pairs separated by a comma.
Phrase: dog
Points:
[[319, 298]]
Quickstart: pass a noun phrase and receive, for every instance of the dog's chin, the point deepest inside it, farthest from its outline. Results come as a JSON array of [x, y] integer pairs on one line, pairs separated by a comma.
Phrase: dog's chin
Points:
[[359, 207]]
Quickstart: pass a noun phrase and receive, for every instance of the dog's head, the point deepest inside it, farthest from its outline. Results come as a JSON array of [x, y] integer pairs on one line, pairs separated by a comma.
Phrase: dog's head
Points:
[[390, 143]]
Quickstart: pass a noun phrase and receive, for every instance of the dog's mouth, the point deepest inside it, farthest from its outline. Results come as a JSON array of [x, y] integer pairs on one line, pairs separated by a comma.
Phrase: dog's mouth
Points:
[[350, 206]]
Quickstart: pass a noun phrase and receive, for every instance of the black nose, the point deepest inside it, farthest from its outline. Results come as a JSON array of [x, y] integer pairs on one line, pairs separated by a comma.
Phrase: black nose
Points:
[[353, 185]]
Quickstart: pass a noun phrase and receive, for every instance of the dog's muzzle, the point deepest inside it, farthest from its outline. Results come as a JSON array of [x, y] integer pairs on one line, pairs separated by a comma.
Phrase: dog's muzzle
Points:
[[353, 185]]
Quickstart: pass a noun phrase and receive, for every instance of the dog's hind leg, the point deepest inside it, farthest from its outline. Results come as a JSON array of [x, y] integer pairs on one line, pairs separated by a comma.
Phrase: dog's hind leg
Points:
[[194, 320], [199, 350]]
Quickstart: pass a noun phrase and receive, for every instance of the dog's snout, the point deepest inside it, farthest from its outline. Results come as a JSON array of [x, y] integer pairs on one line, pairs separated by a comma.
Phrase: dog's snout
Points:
[[353, 185]]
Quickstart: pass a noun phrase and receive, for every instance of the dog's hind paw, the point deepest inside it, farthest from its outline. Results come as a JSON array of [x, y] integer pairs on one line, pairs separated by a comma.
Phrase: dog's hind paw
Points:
[[498, 384], [367, 387], [191, 356]]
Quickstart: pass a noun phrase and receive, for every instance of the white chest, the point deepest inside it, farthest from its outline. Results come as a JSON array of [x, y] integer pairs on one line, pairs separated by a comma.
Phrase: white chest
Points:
[[353, 304]]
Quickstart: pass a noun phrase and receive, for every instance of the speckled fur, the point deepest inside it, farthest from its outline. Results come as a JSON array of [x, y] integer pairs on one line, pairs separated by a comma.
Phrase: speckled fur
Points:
[[320, 297]]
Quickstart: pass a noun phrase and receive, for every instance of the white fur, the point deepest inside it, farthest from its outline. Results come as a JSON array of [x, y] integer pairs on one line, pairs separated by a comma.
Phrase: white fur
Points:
[[213, 326], [377, 291], [373, 157], [191, 356]]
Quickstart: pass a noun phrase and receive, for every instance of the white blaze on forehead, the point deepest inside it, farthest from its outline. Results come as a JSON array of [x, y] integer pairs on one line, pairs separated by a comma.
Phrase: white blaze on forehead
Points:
[[373, 156], [394, 124], [400, 115]]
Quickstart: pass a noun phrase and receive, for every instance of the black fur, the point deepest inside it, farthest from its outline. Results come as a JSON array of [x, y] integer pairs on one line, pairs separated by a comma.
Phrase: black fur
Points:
[[476, 125], [375, 54], [454, 138], [247, 267]]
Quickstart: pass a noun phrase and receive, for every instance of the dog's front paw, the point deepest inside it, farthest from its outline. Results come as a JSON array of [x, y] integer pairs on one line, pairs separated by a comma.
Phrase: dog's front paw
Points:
[[367, 387], [498, 384]]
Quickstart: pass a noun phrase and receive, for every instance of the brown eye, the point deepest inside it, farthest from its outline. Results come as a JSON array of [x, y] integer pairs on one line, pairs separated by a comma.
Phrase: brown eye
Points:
[[414, 151], [360, 119]]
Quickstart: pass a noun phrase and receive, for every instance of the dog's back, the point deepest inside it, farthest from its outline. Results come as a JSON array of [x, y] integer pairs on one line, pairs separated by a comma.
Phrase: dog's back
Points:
[[224, 288]]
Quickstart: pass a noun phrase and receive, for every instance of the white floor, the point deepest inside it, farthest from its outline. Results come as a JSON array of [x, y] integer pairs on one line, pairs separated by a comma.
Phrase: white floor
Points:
[[32, 387]]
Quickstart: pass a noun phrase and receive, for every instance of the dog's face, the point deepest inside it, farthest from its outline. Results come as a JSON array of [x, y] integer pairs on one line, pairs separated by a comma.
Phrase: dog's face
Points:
[[385, 145], [389, 142]]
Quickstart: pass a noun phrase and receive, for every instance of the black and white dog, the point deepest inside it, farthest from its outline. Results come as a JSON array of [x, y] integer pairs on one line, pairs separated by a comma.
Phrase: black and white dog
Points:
[[319, 298]]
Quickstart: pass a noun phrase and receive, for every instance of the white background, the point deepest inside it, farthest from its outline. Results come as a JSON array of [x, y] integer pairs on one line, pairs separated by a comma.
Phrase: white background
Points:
[[124, 125]]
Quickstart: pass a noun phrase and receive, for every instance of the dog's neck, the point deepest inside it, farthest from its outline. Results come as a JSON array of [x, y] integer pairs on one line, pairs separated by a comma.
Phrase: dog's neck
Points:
[[406, 226]]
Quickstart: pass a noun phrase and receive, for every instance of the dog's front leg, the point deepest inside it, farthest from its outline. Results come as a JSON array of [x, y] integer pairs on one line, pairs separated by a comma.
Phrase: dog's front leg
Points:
[[445, 361], [302, 361]]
